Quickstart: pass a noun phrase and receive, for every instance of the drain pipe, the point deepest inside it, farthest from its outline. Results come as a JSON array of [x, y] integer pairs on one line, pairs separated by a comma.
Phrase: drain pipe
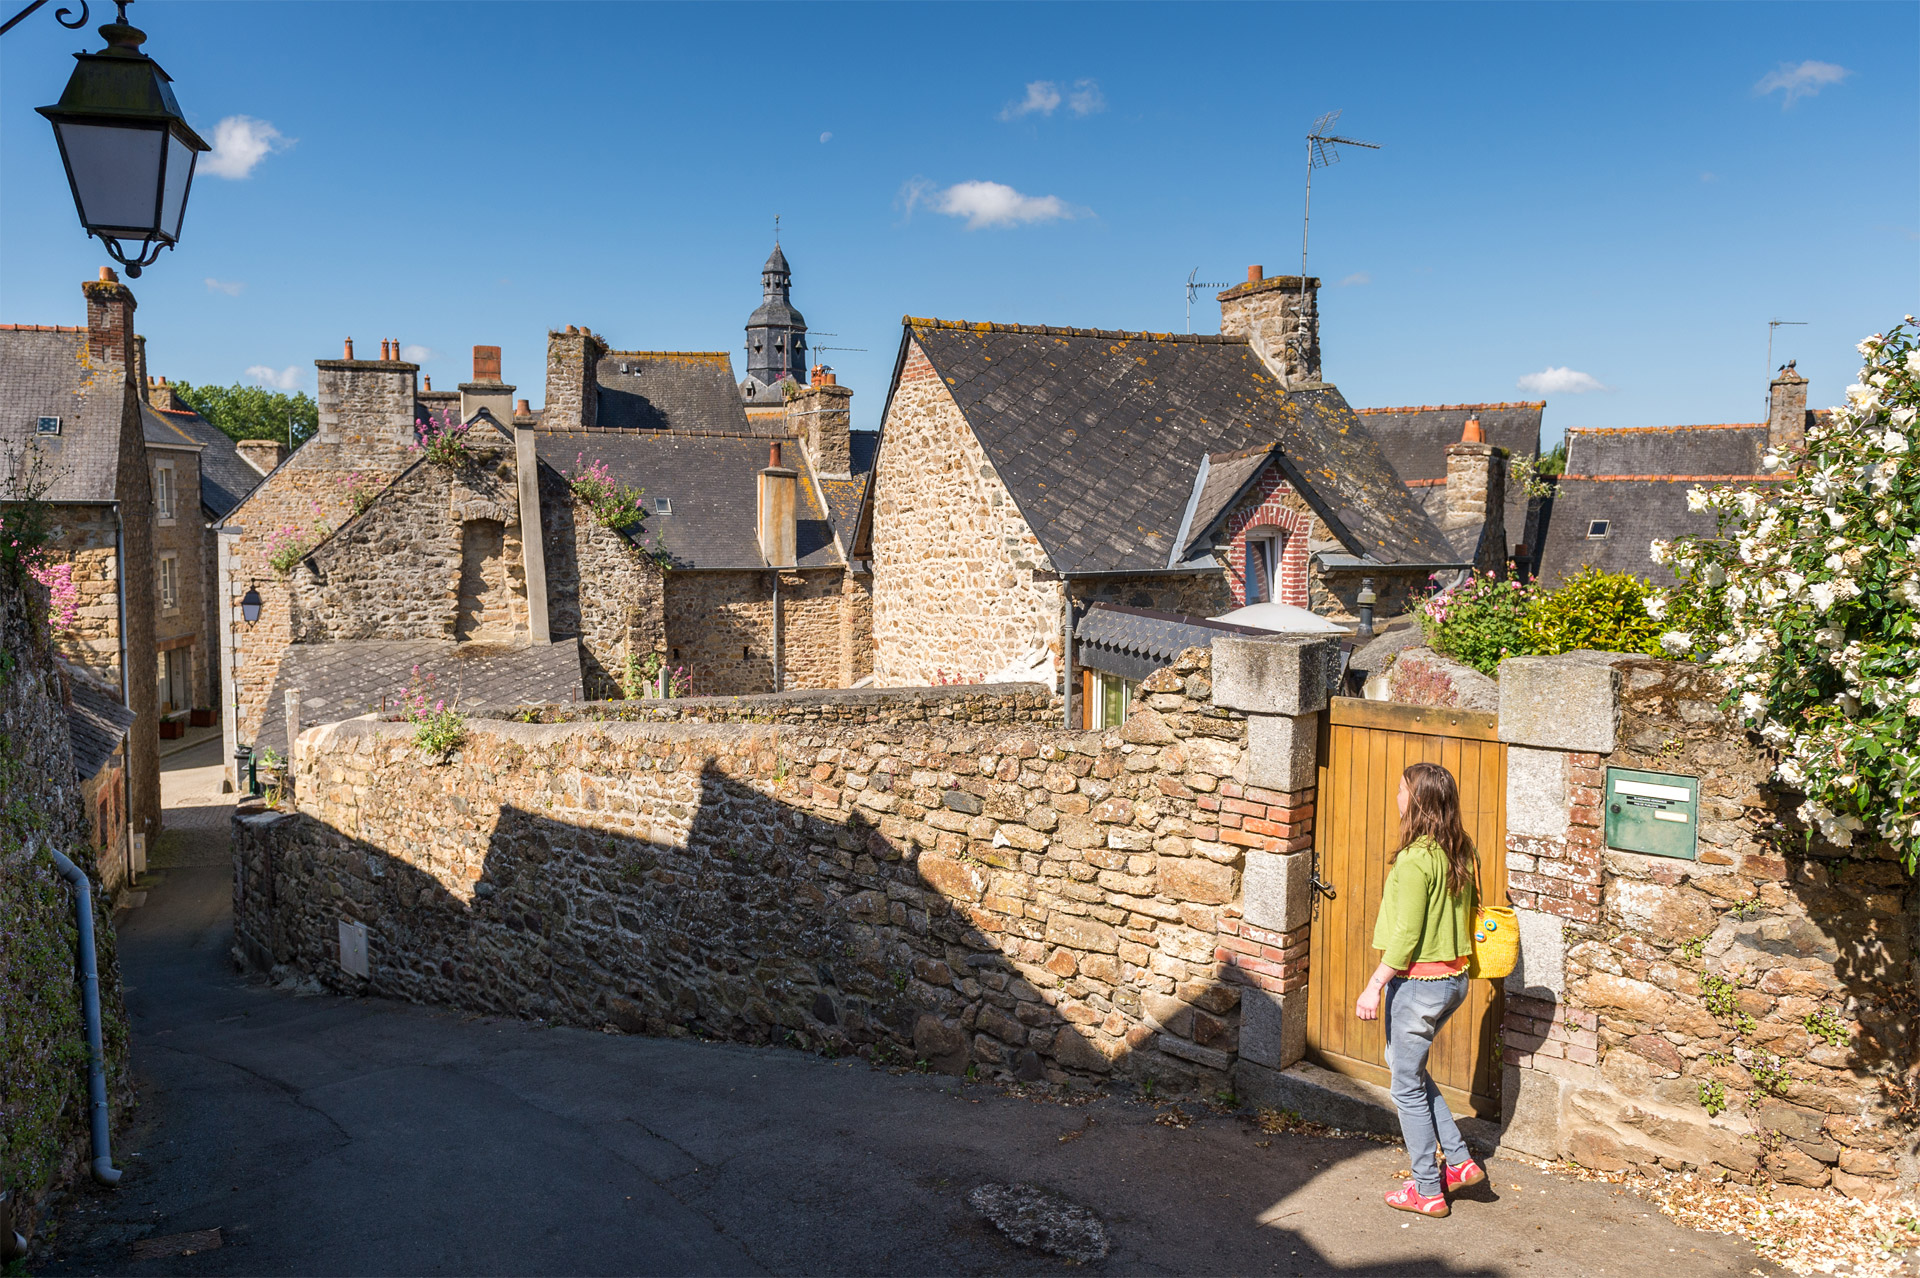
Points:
[[103, 1169]]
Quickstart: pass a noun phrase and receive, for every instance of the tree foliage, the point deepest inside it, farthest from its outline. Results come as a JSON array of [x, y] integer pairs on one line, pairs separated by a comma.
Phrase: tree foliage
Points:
[[253, 412]]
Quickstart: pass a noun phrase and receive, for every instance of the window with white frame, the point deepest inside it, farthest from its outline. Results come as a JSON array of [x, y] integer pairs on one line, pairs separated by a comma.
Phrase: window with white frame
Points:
[[163, 490], [168, 584], [1263, 566], [1108, 699]]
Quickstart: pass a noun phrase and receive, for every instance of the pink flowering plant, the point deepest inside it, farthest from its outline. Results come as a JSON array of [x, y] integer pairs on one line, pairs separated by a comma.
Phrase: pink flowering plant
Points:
[[1808, 601], [438, 728], [616, 505], [63, 596], [360, 488], [1479, 621], [443, 438]]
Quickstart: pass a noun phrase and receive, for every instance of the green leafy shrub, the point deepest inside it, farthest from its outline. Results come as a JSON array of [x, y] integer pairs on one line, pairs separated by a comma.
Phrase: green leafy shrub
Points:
[[1478, 622], [1604, 611]]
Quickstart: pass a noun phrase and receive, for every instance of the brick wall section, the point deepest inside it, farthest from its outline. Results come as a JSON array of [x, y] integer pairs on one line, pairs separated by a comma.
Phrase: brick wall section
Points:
[[1273, 504], [1563, 875], [1545, 1035], [935, 875]]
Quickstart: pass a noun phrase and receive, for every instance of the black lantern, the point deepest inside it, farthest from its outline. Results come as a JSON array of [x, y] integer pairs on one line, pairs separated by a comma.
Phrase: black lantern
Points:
[[250, 606], [128, 150]]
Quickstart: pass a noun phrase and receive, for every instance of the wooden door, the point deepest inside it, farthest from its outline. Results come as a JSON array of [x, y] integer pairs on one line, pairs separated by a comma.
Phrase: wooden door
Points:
[[1367, 745]]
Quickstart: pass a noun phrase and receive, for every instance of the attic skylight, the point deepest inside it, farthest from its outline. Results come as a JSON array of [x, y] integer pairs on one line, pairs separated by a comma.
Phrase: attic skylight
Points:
[[1598, 529], [662, 506]]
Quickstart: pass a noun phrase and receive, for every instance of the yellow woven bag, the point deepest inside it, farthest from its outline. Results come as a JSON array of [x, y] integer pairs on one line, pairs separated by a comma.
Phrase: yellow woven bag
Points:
[[1496, 942]]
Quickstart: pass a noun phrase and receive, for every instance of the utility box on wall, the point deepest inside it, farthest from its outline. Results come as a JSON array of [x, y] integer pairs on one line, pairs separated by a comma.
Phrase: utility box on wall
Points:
[[1657, 813]]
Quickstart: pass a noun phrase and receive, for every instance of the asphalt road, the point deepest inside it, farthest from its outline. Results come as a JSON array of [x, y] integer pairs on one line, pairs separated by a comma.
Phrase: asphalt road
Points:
[[324, 1135]]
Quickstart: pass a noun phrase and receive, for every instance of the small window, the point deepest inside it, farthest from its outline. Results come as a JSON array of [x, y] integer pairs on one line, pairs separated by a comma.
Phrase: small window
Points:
[[1263, 568], [163, 491], [1108, 699], [1598, 529], [169, 582], [48, 426], [662, 505]]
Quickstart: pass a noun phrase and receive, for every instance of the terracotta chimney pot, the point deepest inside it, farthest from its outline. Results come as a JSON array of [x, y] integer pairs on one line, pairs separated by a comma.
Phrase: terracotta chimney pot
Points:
[[1255, 274], [1473, 434], [349, 354], [521, 408], [107, 276], [429, 380], [773, 455]]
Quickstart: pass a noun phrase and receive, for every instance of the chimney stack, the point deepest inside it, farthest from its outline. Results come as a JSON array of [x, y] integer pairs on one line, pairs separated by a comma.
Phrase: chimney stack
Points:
[[262, 454], [1477, 494], [573, 380], [1281, 322], [164, 397], [778, 488], [364, 402], [486, 390], [1787, 410], [819, 415]]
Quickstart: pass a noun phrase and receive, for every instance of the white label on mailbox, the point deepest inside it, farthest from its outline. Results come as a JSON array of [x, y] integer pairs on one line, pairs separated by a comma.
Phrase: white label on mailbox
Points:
[[1647, 790], [1681, 817]]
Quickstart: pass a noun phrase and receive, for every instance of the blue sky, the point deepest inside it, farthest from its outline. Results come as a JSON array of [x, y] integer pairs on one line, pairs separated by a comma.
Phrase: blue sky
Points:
[[1623, 193]]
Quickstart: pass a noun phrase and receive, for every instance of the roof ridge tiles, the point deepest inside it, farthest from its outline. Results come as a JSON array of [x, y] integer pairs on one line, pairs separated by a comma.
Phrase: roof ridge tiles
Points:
[[1774, 476], [43, 328], [652, 432], [1051, 330], [1436, 408], [669, 354], [1628, 430]]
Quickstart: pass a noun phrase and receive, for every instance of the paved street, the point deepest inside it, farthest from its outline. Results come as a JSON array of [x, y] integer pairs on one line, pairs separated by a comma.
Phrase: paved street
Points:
[[325, 1135]]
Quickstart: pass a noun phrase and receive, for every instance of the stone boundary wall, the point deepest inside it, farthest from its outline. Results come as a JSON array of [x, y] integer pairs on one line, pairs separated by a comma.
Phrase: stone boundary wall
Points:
[[1750, 1013], [938, 875]]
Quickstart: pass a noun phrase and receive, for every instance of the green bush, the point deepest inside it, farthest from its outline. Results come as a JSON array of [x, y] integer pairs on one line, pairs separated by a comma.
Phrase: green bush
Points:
[[1478, 622], [1604, 611]]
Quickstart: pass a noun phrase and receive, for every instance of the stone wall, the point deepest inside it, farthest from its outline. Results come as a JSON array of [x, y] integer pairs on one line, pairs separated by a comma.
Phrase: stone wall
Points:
[[1749, 1013], [84, 537], [926, 875], [601, 588], [184, 537], [43, 1087], [719, 626]]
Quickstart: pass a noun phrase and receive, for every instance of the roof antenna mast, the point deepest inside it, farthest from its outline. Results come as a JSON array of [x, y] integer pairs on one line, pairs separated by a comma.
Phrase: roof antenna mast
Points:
[[1193, 290], [1771, 325], [1323, 149]]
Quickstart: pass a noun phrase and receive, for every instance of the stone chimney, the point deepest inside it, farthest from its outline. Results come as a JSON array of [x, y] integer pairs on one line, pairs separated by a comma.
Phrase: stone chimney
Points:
[[1280, 322], [486, 390], [778, 489], [1787, 410], [365, 401], [110, 307], [573, 380], [164, 397], [262, 454], [820, 416], [1477, 494]]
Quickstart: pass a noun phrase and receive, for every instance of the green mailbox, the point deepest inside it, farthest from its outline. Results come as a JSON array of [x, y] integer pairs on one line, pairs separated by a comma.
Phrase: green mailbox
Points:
[[1653, 812]]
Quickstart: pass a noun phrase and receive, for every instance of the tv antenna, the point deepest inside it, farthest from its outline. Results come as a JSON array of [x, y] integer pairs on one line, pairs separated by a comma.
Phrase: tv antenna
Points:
[[1771, 325], [861, 349], [1192, 290], [1323, 151]]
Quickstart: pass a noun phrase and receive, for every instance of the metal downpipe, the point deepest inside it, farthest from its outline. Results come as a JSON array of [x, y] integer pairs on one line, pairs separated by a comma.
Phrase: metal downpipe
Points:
[[103, 1169]]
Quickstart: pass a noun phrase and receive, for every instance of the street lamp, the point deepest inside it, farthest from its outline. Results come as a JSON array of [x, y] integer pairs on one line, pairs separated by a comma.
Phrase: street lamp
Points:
[[128, 150], [250, 605]]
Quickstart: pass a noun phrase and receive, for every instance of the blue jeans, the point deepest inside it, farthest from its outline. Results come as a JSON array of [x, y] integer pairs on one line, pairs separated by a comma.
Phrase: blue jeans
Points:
[[1415, 1012]]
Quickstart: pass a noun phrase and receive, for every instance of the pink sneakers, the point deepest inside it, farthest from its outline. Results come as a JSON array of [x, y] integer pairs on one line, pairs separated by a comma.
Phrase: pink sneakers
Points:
[[1409, 1198], [1466, 1174]]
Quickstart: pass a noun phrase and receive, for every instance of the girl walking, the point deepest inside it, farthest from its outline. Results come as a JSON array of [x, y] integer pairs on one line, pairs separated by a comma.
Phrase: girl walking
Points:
[[1425, 938]]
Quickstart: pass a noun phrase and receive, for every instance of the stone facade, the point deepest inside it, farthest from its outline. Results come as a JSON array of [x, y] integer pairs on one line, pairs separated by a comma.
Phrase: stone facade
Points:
[[1749, 1013], [87, 537], [937, 875], [180, 539], [601, 589]]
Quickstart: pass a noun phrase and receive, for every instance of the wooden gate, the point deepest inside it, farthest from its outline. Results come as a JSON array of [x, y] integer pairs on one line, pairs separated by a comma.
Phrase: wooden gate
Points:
[[1366, 747]]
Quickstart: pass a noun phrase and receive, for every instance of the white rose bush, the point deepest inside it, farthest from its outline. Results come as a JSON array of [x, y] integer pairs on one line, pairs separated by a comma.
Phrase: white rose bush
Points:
[[1809, 602]]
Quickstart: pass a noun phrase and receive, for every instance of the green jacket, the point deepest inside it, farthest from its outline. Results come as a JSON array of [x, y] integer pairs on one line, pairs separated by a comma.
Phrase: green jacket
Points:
[[1419, 922]]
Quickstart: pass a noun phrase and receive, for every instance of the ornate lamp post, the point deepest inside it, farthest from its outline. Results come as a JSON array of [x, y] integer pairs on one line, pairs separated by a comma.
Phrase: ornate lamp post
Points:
[[128, 150]]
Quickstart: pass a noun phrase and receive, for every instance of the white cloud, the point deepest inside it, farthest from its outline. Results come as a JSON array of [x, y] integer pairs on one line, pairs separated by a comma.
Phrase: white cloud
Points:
[[416, 354], [239, 143], [285, 379], [1357, 278], [1086, 98], [1043, 97], [1560, 381], [1802, 80], [231, 288], [826, 137], [987, 203]]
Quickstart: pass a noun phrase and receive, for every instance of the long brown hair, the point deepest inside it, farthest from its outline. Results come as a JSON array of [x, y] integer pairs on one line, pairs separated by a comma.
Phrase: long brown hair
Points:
[[1433, 812]]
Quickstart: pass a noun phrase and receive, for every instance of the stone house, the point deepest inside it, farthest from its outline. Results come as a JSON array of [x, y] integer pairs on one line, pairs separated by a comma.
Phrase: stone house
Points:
[[98, 726], [1022, 466], [71, 412], [1623, 487]]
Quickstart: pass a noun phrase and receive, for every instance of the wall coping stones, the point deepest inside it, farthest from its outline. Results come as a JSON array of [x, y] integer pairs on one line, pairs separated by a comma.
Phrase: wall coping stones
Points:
[[999, 700], [1271, 674], [1566, 702]]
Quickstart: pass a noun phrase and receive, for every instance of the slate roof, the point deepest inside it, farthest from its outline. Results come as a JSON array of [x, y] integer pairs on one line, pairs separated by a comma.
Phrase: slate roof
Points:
[[1098, 436], [97, 722], [344, 680], [1734, 449], [1135, 642], [669, 390], [712, 484], [1637, 511], [1416, 439], [44, 372], [845, 495]]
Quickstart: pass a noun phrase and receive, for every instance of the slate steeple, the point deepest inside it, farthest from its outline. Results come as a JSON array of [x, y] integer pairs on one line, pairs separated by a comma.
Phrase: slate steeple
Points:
[[776, 333]]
